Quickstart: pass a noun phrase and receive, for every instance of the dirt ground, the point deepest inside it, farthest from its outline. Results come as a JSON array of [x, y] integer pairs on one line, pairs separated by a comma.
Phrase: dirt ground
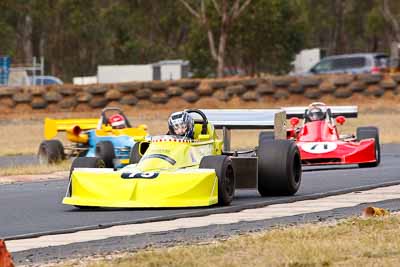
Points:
[[21, 132]]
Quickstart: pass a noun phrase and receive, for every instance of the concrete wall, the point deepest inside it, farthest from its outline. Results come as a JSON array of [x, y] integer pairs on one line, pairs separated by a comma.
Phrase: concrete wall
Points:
[[124, 73]]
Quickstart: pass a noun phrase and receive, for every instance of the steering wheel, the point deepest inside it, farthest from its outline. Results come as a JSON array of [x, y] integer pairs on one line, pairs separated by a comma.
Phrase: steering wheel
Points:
[[204, 120], [118, 110]]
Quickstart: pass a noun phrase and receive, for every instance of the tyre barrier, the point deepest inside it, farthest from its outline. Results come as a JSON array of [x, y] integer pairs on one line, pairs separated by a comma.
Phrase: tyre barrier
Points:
[[72, 97]]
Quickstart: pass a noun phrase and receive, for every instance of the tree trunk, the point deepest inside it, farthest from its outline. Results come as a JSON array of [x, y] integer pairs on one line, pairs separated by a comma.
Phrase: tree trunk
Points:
[[228, 16], [391, 19], [221, 54], [338, 36], [28, 39], [25, 39]]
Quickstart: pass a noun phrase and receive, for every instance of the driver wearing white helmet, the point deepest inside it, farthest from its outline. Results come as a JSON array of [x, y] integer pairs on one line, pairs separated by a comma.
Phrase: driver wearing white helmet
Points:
[[182, 124]]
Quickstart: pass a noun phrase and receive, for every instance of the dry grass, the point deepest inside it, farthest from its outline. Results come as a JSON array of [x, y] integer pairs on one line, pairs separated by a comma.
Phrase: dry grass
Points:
[[20, 138], [353, 242], [33, 169], [24, 136]]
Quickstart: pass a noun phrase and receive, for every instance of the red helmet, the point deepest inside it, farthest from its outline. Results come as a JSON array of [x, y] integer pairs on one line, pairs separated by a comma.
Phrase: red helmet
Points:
[[117, 121]]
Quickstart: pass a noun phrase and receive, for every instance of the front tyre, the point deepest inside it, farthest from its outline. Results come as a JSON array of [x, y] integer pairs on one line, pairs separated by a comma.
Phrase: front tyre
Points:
[[279, 167], [226, 176], [135, 156], [367, 133], [86, 162], [105, 151]]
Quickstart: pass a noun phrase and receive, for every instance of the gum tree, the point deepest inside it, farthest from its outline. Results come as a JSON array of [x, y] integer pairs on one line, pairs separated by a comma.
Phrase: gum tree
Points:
[[227, 12]]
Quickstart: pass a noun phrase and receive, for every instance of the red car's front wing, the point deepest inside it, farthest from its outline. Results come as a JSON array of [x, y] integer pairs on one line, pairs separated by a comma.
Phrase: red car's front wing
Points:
[[337, 152]]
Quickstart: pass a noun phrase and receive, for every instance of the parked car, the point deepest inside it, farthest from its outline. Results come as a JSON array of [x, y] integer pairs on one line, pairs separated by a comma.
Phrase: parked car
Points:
[[44, 80], [352, 64]]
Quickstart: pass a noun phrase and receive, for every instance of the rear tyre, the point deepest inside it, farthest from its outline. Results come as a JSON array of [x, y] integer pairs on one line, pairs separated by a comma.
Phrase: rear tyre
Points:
[[88, 162], [266, 136], [50, 152], [105, 151], [226, 176], [366, 133], [279, 167]]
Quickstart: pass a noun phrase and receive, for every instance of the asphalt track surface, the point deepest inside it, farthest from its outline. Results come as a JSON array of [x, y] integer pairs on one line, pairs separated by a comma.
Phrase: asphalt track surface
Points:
[[31, 209], [183, 236]]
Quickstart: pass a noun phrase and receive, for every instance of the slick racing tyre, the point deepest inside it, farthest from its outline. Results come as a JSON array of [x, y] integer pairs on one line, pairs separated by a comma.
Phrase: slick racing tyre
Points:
[[279, 167], [366, 133], [51, 151], [136, 154], [226, 176], [105, 151], [266, 135], [88, 162]]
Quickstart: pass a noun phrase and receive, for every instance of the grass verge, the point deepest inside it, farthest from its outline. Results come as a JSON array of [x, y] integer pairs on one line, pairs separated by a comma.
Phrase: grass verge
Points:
[[351, 242], [34, 169], [24, 137]]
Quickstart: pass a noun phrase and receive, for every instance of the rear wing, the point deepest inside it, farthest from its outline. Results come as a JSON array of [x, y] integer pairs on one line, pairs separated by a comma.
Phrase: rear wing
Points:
[[345, 111], [247, 119], [52, 126]]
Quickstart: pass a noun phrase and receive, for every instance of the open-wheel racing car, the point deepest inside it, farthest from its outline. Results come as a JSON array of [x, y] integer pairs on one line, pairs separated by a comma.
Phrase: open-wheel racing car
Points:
[[320, 143], [176, 171], [109, 138]]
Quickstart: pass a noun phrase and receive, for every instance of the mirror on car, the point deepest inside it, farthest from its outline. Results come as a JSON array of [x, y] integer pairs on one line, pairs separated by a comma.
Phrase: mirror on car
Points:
[[340, 120], [294, 121]]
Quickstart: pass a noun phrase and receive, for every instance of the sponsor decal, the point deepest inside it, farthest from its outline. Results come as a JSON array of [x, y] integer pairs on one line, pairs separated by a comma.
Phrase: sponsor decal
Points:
[[192, 157], [160, 156], [319, 147], [159, 151], [204, 150]]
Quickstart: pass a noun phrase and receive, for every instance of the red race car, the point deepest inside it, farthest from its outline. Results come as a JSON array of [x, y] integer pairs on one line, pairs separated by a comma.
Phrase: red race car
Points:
[[320, 143]]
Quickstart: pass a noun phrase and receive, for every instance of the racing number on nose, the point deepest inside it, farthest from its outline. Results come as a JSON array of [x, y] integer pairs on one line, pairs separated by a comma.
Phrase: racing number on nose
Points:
[[319, 147], [316, 145]]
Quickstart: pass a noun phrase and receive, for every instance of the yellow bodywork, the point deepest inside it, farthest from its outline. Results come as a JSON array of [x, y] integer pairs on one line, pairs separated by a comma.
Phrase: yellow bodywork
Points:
[[168, 175], [52, 126], [137, 133], [179, 188]]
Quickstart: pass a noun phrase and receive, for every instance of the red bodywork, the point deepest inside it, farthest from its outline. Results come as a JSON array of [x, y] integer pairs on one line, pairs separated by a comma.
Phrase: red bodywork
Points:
[[319, 144]]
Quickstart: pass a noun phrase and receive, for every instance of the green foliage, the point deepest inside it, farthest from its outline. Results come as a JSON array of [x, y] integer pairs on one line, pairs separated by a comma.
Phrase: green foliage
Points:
[[76, 36], [267, 37]]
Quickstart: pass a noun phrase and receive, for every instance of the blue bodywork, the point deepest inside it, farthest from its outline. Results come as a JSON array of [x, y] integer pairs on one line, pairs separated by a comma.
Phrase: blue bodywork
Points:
[[122, 145]]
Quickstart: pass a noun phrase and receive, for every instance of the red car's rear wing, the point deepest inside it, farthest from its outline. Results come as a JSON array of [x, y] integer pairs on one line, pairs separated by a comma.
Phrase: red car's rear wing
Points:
[[346, 111]]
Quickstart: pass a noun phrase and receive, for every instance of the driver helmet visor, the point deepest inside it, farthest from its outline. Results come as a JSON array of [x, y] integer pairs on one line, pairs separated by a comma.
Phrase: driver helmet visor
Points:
[[180, 128], [316, 114], [118, 124]]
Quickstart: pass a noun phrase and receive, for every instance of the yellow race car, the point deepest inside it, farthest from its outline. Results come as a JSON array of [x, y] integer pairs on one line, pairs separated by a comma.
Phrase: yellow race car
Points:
[[174, 171], [91, 138]]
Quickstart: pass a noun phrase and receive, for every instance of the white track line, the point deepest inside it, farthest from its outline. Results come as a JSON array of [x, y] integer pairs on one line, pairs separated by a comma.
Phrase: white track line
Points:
[[268, 212]]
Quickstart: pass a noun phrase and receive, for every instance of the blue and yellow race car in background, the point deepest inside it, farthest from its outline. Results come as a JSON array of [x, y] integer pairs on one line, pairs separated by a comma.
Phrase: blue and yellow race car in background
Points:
[[91, 138]]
